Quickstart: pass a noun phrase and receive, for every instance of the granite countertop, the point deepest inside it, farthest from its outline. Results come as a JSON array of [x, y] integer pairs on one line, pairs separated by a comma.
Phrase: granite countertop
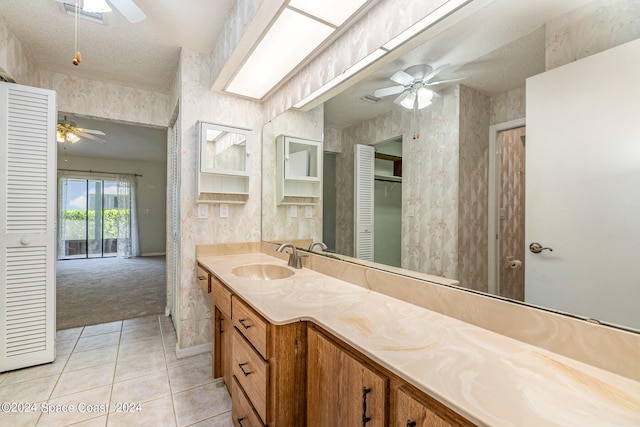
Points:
[[488, 378]]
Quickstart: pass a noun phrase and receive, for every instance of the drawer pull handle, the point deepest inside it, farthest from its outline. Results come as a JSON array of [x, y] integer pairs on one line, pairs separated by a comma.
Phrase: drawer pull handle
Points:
[[221, 325], [242, 322], [201, 277], [411, 423], [246, 373], [365, 419], [240, 420]]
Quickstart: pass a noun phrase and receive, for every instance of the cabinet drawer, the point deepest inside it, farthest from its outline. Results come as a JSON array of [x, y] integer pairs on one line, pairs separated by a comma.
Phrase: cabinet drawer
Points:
[[251, 325], [202, 277], [242, 413], [251, 373], [221, 296]]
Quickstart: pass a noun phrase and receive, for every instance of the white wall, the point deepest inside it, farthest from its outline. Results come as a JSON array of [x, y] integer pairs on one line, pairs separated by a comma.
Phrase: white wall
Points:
[[152, 190]]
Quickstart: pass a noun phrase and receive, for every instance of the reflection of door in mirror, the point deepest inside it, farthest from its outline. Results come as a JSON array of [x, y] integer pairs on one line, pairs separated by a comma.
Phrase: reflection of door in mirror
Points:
[[511, 163]]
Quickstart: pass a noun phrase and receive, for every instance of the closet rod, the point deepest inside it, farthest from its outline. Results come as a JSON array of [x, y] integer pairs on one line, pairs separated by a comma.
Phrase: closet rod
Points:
[[92, 171]]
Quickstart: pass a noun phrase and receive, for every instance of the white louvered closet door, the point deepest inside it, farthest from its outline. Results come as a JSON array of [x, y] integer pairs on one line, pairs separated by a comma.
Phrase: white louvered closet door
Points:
[[27, 214], [363, 209]]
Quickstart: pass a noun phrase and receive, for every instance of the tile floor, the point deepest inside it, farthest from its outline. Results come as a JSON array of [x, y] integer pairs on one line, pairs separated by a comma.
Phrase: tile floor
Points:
[[102, 370]]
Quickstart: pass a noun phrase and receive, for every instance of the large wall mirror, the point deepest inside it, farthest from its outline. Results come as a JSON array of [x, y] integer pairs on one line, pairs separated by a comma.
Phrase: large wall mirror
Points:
[[453, 196]]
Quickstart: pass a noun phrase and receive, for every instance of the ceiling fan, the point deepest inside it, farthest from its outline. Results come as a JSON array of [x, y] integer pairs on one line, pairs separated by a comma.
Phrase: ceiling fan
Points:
[[413, 85], [67, 131]]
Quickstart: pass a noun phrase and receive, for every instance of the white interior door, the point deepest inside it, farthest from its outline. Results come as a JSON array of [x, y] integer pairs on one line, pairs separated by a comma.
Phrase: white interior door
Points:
[[583, 197], [364, 202], [28, 217]]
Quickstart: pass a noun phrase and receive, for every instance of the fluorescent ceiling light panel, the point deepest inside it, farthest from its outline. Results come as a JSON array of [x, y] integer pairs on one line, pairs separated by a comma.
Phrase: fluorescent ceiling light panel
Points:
[[424, 23], [335, 12], [351, 71], [291, 39]]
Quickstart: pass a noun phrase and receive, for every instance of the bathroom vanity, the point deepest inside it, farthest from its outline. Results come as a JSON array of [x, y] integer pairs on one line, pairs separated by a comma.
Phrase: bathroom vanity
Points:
[[311, 349]]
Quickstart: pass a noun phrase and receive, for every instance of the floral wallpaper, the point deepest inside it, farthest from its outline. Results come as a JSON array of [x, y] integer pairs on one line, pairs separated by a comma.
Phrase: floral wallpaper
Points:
[[473, 218], [593, 28], [15, 62], [507, 106]]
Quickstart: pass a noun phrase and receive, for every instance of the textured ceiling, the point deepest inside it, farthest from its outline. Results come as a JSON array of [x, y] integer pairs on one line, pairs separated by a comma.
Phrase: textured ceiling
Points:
[[494, 50], [143, 55]]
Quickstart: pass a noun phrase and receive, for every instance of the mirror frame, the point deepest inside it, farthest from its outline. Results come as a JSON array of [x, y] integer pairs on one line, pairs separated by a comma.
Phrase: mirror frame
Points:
[[202, 142]]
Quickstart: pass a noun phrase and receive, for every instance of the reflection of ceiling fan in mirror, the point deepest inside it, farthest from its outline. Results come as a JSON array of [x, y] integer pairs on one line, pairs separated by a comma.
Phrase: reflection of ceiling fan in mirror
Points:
[[68, 132], [414, 86]]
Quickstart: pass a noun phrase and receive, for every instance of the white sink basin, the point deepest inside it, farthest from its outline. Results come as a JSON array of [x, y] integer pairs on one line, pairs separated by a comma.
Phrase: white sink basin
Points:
[[262, 272]]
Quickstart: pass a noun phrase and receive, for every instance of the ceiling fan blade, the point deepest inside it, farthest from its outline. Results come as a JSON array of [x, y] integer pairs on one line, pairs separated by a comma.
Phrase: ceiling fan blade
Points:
[[386, 91], [443, 81], [129, 10], [434, 72], [91, 137], [402, 78], [399, 99], [93, 131]]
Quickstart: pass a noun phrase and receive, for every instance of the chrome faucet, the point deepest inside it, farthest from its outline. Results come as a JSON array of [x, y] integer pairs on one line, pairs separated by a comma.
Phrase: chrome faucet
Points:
[[314, 244], [295, 259]]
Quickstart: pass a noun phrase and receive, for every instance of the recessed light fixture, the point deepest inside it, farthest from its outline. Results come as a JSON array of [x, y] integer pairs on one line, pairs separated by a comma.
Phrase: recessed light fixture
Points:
[[296, 32]]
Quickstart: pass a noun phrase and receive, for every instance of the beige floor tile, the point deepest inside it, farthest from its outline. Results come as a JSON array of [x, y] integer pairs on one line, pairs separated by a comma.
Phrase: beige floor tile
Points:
[[154, 413], [138, 366], [201, 403], [36, 390], [140, 334], [93, 422], [141, 389], [95, 357], [69, 334], [140, 348], [98, 341], [173, 362], [84, 379], [65, 347], [19, 419], [35, 372], [141, 323], [86, 405], [3, 376], [103, 328], [222, 420], [190, 376]]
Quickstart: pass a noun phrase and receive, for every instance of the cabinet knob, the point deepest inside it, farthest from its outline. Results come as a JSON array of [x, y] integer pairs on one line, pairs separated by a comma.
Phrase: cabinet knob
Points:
[[240, 420], [25, 241], [201, 277], [411, 423]]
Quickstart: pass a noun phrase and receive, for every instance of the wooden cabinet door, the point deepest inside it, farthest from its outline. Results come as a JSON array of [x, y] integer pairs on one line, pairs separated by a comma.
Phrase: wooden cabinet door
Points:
[[222, 329], [341, 391], [409, 412]]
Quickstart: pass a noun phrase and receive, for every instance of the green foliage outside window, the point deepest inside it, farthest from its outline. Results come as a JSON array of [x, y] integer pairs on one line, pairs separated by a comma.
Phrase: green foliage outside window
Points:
[[76, 221]]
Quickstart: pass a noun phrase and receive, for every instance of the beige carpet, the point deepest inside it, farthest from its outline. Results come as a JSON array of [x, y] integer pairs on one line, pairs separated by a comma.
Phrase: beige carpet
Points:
[[101, 290]]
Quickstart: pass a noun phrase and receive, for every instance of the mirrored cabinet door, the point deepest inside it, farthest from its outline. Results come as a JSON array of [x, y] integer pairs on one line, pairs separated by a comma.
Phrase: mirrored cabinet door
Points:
[[222, 159], [298, 170]]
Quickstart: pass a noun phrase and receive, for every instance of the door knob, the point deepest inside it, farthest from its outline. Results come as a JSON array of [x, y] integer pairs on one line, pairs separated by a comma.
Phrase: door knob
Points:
[[536, 248]]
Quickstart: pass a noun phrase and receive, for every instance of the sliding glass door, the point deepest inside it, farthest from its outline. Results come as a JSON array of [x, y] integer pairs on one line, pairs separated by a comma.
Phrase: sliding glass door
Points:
[[93, 219]]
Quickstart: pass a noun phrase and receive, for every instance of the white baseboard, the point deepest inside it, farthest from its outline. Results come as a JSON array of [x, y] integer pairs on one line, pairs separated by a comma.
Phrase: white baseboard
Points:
[[153, 254], [193, 351]]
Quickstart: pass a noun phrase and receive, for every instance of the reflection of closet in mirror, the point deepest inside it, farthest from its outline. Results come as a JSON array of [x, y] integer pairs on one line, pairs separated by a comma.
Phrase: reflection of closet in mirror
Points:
[[222, 160], [298, 170], [378, 202]]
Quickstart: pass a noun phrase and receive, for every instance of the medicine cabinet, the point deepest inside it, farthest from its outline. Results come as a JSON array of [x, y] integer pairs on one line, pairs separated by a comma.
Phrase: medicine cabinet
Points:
[[298, 170], [222, 159]]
